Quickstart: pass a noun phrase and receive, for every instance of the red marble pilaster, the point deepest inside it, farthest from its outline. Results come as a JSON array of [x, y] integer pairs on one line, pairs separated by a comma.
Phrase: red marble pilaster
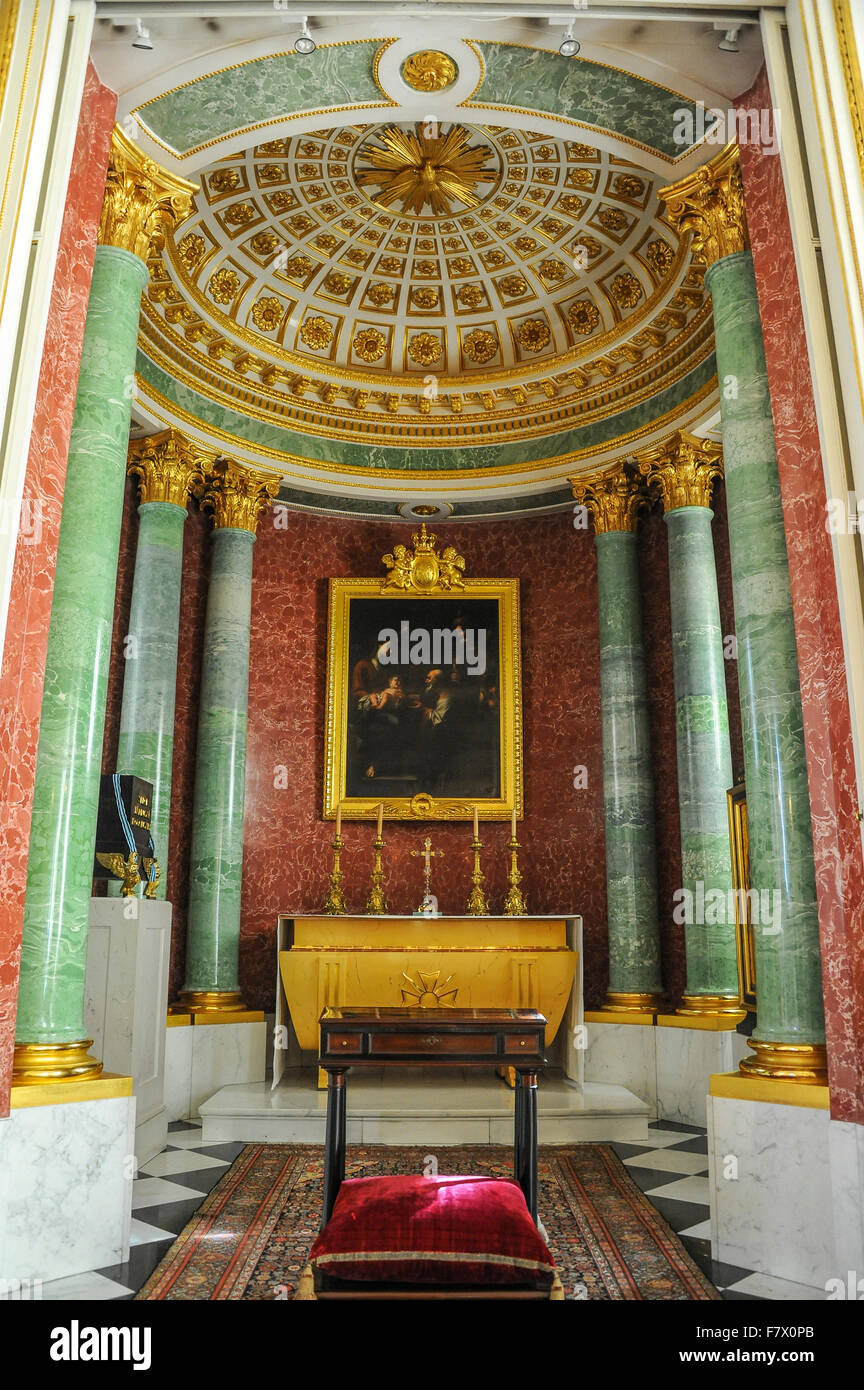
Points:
[[824, 694], [23, 667]]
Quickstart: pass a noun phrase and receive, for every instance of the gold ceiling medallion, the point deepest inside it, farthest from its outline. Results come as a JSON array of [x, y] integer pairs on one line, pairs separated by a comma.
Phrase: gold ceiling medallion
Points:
[[425, 569], [416, 170], [709, 203], [429, 71]]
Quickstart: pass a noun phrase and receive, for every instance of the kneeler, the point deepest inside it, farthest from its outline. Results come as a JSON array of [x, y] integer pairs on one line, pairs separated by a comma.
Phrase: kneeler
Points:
[[415, 1237]]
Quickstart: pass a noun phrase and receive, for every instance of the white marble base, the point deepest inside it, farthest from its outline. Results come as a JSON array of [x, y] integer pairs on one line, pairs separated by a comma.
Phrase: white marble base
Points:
[[126, 1000], [425, 1107], [202, 1058], [669, 1068], [796, 1207], [66, 1188]]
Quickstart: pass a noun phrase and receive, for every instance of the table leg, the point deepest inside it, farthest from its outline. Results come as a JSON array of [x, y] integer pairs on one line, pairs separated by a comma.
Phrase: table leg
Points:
[[334, 1142], [526, 1138]]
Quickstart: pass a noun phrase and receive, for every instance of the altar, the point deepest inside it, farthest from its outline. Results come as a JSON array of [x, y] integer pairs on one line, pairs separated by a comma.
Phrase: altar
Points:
[[430, 962]]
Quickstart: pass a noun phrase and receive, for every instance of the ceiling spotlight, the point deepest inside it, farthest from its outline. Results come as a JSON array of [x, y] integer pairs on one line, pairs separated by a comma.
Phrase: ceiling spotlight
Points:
[[304, 42], [142, 36], [729, 41], [569, 47]]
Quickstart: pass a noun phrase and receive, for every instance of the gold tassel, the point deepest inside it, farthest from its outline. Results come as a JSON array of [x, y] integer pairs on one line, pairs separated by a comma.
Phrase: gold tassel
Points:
[[556, 1293], [306, 1288]]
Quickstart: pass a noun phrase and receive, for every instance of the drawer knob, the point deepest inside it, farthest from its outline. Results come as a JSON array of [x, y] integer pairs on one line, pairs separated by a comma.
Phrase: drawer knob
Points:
[[344, 1042], [522, 1043], [431, 1042]]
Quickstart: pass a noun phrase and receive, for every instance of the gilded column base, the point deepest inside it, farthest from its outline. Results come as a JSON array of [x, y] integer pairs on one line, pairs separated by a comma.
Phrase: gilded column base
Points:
[[710, 1005], [209, 1001], [802, 1062], [623, 1002], [38, 1064]]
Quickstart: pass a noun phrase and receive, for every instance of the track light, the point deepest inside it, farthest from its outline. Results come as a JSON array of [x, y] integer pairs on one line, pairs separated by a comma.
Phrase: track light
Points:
[[569, 47], [142, 36], [304, 42], [729, 41]]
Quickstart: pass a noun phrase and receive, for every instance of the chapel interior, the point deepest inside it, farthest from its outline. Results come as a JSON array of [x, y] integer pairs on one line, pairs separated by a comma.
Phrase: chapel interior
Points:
[[432, 623]]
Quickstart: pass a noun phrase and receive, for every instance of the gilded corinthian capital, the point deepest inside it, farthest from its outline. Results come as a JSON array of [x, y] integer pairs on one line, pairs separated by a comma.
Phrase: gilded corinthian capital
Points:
[[142, 200], [169, 467], [237, 496], [682, 469], [709, 204], [613, 496]]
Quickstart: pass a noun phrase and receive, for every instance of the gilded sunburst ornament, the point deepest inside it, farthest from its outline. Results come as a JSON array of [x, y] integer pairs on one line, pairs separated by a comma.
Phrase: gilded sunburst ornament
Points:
[[415, 170]]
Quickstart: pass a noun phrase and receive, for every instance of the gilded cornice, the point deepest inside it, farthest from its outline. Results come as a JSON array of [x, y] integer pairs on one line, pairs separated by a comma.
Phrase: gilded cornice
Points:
[[236, 495], [169, 467], [613, 495], [682, 469], [142, 200], [709, 204]]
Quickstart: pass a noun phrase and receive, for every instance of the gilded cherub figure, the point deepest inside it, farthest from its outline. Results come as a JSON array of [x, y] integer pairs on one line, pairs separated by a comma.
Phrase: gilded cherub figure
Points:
[[399, 564], [450, 564]]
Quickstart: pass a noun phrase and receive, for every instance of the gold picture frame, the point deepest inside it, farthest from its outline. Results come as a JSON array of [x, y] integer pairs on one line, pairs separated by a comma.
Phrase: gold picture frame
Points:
[[736, 801], [426, 585]]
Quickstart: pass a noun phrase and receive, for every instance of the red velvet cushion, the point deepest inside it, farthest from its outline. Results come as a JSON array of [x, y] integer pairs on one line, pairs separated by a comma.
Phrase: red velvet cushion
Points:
[[418, 1230]]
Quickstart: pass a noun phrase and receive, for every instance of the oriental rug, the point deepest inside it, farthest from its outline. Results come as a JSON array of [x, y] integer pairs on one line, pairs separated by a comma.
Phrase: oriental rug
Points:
[[251, 1236]]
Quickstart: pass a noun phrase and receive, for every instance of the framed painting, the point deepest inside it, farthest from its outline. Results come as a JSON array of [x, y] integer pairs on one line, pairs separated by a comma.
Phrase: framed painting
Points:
[[423, 691]]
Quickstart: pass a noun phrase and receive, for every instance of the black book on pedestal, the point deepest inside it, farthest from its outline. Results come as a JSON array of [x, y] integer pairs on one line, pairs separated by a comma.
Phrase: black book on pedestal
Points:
[[124, 844]]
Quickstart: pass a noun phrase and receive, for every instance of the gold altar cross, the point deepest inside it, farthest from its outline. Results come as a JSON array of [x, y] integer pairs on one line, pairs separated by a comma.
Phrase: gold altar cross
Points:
[[427, 853]]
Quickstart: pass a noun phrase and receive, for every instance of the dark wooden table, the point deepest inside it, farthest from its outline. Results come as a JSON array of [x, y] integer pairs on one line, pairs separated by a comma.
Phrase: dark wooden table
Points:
[[490, 1038]]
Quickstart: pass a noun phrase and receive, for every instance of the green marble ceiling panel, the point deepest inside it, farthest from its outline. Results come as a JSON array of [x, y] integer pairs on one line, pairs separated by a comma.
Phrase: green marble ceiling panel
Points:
[[532, 79], [422, 461], [264, 90]]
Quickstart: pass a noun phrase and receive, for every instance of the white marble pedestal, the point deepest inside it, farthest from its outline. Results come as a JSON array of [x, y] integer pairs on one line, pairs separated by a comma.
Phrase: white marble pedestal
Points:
[[126, 1001], [203, 1057], [66, 1175]]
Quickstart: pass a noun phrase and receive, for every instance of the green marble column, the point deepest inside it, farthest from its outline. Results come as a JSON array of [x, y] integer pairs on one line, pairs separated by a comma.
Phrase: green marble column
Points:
[[168, 467], [237, 496], [50, 1039], [682, 470], [613, 497], [789, 1034]]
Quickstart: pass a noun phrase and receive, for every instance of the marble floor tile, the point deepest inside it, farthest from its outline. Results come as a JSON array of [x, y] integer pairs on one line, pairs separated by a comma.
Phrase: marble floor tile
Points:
[[187, 1139], [201, 1182], [693, 1190], [178, 1126], [151, 1192], [671, 1161], [172, 1161], [172, 1216], [143, 1259], [701, 1231], [664, 1138], [676, 1126], [91, 1287], [142, 1234], [767, 1286], [679, 1215], [698, 1145]]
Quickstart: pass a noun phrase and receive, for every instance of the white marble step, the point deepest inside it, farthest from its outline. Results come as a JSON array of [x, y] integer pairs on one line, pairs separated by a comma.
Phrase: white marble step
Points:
[[421, 1107]]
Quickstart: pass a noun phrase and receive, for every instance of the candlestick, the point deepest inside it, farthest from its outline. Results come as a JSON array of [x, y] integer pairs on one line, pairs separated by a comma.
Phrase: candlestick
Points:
[[380, 817], [513, 825], [476, 824], [477, 904], [514, 903], [334, 903], [339, 819], [376, 903]]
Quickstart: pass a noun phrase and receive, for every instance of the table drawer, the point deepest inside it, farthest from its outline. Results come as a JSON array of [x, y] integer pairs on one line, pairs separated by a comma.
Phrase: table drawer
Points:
[[522, 1043], [343, 1043], [435, 1044]]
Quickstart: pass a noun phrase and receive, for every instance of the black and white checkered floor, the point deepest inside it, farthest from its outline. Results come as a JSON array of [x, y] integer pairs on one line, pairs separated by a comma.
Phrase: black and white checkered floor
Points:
[[671, 1168]]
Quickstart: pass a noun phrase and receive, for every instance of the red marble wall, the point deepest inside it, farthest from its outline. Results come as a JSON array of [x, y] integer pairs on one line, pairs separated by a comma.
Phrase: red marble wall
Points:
[[23, 666], [287, 856], [827, 723]]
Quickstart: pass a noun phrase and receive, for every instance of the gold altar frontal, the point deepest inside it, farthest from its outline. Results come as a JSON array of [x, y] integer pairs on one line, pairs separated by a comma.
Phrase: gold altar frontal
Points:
[[432, 962]]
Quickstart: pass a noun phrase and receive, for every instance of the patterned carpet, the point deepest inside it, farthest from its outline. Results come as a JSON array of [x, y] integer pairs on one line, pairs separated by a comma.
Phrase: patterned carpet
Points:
[[251, 1237]]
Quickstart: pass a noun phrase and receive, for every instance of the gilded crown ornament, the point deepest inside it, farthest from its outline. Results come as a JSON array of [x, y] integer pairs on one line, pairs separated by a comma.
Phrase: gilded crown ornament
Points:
[[613, 495], [682, 469], [142, 202], [424, 570], [237, 496], [168, 466], [709, 204], [414, 170]]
